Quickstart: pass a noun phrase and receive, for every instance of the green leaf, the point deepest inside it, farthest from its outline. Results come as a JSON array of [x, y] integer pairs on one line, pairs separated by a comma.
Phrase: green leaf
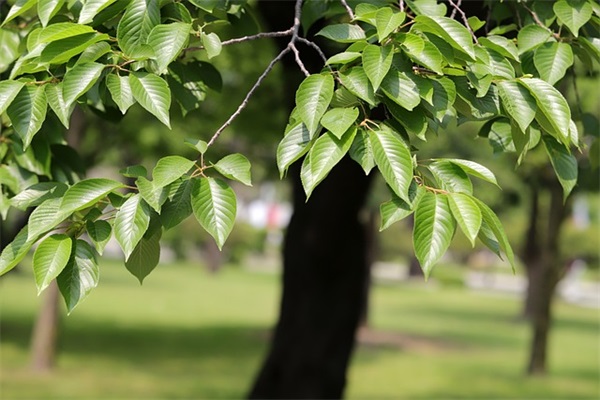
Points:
[[168, 41], [294, 145], [212, 44], [501, 45], [327, 151], [62, 30], [421, 51], [140, 17], [451, 177], [313, 98], [494, 226], [339, 120], [214, 206], [199, 145], [27, 112], [344, 33], [79, 80], [37, 194], [99, 232], [397, 209], [61, 51], [493, 63], [475, 169], [79, 276], [169, 169], [532, 36], [8, 91], [93, 52], [134, 171], [236, 167], [564, 164], [573, 14], [433, 230], [86, 193], [131, 222], [91, 8], [120, 91], [343, 58], [450, 30], [361, 151], [190, 82], [152, 93], [427, 7], [178, 208], [552, 61], [402, 90], [552, 105], [154, 195], [55, 98], [467, 214], [145, 256], [387, 21], [18, 8], [473, 107], [393, 159], [413, 121], [50, 258], [9, 48], [46, 9], [45, 217], [517, 102], [377, 61], [15, 251], [357, 83]]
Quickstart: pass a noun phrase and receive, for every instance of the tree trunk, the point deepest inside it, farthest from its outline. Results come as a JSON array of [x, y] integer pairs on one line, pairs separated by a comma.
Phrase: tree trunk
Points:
[[547, 269], [45, 331], [325, 268], [531, 253]]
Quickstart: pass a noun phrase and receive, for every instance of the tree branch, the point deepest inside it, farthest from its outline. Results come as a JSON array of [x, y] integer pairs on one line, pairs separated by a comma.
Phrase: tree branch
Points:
[[242, 39], [456, 6], [294, 31], [244, 103], [348, 8]]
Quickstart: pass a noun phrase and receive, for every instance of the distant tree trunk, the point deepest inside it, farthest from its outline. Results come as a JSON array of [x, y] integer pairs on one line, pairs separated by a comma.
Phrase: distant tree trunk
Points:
[[44, 339], [531, 253], [45, 331], [544, 270], [325, 270], [414, 268]]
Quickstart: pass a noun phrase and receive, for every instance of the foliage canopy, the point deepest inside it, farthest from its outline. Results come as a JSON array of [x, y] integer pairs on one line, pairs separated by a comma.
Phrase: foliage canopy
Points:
[[405, 71]]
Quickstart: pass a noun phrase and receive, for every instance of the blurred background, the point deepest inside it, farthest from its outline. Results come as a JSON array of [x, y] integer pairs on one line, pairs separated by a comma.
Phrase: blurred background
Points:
[[200, 325]]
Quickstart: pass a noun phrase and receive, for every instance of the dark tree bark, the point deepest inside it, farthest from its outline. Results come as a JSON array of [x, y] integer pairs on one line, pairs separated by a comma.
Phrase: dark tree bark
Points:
[[325, 268]]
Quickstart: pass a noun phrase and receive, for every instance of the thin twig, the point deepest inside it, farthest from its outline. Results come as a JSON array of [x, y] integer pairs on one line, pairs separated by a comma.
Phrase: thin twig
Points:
[[539, 22], [248, 95], [298, 60], [242, 39], [294, 31], [314, 46], [401, 5], [348, 8], [456, 7]]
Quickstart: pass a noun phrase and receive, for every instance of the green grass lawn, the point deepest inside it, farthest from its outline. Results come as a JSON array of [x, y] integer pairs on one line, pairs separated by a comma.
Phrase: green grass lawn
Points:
[[185, 334]]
